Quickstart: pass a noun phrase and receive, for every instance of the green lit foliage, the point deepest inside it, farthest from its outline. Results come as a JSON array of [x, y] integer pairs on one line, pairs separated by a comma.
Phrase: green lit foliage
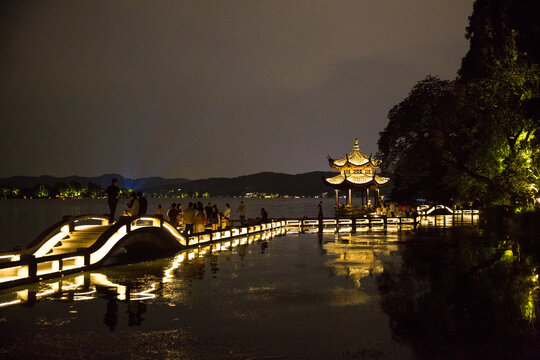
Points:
[[261, 195], [124, 193], [491, 137], [474, 138], [92, 191], [9, 192], [42, 191]]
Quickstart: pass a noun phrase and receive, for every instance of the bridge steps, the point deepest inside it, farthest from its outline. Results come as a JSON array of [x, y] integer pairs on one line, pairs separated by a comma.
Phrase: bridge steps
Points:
[[78, 239], [58, 251]]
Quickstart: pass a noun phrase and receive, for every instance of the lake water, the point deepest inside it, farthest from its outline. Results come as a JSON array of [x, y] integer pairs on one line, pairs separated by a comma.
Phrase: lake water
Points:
[[432, 293], [21, 221]]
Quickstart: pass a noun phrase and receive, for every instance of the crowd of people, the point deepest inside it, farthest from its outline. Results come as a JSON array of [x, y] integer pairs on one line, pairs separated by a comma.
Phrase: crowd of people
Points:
[[392, 209], [383, 208], [196, 218]]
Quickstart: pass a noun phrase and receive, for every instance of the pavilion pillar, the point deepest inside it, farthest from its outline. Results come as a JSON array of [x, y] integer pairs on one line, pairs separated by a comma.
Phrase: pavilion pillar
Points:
[[378, 197], [337, 197], [350, 197], [364, 200], [367, 196]]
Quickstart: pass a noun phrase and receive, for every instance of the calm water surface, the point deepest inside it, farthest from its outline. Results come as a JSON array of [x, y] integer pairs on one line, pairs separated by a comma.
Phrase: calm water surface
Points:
[[430, 294], [291, 296]]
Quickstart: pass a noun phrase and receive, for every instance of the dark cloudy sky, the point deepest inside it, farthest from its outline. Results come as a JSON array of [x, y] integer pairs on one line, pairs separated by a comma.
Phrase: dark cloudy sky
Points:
[[210, 88]]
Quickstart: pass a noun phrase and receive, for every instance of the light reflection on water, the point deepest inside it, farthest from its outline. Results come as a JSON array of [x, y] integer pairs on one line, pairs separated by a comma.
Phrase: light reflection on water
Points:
[[380, 294], [282, 286]]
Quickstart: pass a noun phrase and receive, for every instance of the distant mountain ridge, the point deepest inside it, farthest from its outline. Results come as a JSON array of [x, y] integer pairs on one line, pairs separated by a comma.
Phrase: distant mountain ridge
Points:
[[104, 180], [265, 182]]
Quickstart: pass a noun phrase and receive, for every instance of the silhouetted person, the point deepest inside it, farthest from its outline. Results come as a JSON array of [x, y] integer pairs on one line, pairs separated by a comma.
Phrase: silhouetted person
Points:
[[143, 203], [113, 193], [214, 217], [189, 219], [227, 215], [179, 216], [208, 211], [173, 214], [242, 213], [199, 219]]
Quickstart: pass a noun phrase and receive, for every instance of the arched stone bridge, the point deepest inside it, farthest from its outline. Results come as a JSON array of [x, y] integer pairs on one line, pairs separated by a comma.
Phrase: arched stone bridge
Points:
[[88, 241]]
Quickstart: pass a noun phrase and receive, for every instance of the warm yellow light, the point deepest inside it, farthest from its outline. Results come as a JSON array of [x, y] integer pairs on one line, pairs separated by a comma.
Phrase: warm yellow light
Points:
[[8, 303], [175, 233], [48, 245], [99, 254], [101, 279]]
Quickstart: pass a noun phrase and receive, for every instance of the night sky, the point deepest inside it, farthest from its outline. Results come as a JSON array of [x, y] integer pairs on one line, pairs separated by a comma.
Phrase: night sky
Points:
[[210, 88]]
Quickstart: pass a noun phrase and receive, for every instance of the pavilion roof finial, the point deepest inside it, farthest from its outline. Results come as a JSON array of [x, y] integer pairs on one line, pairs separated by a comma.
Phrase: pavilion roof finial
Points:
[[356, 146]]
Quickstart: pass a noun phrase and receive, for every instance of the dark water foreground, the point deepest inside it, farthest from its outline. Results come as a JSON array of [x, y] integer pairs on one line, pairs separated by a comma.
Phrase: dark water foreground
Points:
[[430, 294]]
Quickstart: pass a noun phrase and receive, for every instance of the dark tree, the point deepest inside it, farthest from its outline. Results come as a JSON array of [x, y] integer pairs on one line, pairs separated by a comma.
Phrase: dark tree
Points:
[[474, 138]]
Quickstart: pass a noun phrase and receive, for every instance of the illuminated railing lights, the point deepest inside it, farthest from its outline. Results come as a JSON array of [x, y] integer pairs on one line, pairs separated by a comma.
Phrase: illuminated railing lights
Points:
[[8, 303]]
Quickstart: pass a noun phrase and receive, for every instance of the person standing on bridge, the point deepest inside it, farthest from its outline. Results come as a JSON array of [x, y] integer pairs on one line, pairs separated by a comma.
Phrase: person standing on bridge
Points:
[[159, 211], [179, 217], [133, 205], [200, 219], [214, 217], [208, 214], [189, 219], [173, 215], [319, 212], [242, 213], [143, 203], [113, 193], [227, 215]]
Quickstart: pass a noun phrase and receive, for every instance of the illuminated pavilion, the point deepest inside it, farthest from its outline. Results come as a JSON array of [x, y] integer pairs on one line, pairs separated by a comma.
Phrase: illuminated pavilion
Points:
[[357, 173]]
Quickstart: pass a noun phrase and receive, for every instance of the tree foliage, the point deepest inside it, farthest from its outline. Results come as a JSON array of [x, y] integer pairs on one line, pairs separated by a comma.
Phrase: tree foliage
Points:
[[475, 137]]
